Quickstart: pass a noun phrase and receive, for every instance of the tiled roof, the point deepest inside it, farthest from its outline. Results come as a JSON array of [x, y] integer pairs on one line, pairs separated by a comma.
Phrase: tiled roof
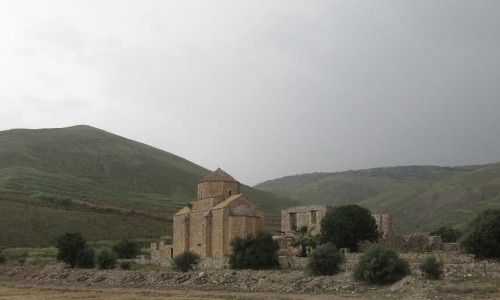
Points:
[[218, 175], [227, 201]]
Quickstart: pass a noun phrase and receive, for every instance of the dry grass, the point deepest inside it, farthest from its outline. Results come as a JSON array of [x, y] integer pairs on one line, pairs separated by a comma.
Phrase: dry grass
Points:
[[18, 292]]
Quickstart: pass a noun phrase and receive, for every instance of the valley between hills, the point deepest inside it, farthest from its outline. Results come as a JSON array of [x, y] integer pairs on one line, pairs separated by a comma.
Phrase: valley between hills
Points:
[[108, 187]]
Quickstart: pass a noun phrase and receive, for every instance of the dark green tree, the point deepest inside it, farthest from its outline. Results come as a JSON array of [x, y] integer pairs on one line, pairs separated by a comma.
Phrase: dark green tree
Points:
[[380, 264], [345, 226], [106, 259], [68, 245], [127, 249], [85, 258], [325, 260], [483, 235], [447, 234], [304, 238], [185, 261], [259, 252]]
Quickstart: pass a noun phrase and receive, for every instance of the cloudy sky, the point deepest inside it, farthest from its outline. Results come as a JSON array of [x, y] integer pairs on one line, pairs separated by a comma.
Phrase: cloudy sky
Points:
[[262, 89]]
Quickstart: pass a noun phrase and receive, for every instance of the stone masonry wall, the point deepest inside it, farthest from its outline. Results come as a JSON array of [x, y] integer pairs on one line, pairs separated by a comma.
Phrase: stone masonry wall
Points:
[[295, 217]]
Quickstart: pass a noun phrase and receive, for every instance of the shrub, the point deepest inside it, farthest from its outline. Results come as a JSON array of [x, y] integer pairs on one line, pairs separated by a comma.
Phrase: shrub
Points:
[[185, 261], [447, 234], [257, 253], [483, 235], [106, 259], [21, 257], [2, 258], [125, 265], [325, 260], [380, 265], [85, 258], [68, 245], [127, 249], [432, 267]]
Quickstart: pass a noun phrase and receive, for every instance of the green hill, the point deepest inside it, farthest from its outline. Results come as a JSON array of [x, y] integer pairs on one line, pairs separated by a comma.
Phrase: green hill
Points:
[[420, 198], [86, 179], [453, 200]]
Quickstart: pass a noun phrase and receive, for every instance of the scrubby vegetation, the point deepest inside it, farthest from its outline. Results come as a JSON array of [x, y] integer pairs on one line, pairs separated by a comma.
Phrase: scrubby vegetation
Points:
[[127, 249], [447, 234], [380, 265], [185, 261], [483, 235], [325, 260], [106, 259], [431, 267], [258, 252]]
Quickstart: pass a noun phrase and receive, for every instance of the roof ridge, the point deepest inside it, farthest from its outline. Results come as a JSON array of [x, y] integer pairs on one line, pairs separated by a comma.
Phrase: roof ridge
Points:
[[218, 175]]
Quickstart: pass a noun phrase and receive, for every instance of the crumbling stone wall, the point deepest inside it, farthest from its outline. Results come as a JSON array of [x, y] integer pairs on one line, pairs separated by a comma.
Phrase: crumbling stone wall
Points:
[[310, 216], [161, 254]]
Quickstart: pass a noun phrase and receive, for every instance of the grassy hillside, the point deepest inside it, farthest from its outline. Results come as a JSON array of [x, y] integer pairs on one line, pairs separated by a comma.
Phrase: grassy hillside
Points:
[[452, 200], [86, 179], [353, 186], [420, 198]]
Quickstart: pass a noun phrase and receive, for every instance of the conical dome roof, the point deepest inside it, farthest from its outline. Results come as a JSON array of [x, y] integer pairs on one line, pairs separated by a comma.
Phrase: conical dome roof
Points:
[[218, 175]]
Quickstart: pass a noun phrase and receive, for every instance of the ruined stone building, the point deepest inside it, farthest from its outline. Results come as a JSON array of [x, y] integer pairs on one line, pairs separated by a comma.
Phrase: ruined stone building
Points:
[[311, 215], [218, 214]]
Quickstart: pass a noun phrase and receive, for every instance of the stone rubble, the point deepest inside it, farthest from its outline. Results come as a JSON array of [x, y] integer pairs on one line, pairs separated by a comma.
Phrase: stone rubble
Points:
[[457, 267]]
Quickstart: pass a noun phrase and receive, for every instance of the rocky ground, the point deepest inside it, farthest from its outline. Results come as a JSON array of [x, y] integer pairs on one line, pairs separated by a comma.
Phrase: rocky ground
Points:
[[464, 278]]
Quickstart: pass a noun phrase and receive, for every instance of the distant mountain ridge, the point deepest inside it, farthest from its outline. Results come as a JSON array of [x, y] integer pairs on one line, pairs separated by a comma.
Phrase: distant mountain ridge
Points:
[[420, 198], [46, 174]]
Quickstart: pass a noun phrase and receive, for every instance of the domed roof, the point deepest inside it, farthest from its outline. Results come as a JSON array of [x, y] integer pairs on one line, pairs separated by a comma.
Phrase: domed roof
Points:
[[218, 175]]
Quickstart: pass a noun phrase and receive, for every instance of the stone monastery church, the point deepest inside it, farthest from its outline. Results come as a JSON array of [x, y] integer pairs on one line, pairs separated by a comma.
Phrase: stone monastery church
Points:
[[218, 214]]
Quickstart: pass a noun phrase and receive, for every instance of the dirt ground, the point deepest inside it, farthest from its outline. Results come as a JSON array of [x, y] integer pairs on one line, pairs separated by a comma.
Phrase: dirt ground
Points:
[[465, 278], [18, 292]]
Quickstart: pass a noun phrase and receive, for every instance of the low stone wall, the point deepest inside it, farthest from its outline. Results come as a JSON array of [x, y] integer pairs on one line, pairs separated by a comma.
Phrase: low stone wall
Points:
[[214, 263]]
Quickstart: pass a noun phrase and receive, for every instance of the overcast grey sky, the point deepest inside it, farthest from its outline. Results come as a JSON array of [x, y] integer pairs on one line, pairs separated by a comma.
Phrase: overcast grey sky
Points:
[[262, 89]]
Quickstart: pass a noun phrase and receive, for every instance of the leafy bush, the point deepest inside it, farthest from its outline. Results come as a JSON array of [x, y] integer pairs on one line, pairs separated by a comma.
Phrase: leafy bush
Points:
[[85, 258], [125, 265], [447, 234], [325, 260], [338, 227], [2, 258], [127, 249], [185, 261], [483, 235], [432, 267], [380, 264], [257, 253], [106, 259], [68, 246]]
